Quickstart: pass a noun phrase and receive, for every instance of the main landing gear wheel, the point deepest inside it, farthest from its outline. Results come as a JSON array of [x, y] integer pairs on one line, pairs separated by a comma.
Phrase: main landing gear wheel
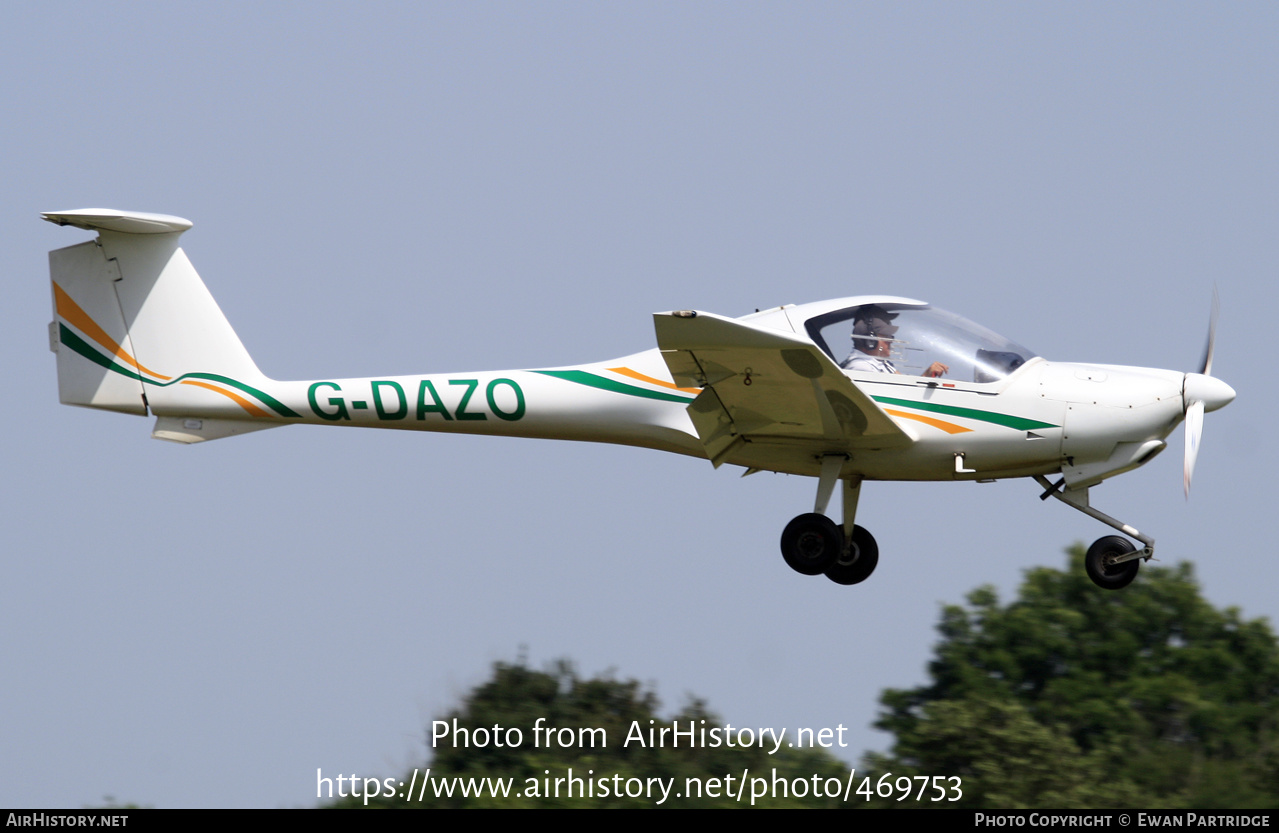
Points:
[[811, 543], [1099, 563], [857, 561]]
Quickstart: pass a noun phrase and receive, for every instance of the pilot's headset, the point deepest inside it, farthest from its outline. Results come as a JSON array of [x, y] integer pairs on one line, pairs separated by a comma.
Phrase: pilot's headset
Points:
[[872, 321]]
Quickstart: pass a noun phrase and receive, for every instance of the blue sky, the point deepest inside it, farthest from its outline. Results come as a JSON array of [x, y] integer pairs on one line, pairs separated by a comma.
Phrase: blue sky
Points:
[[385, 189]]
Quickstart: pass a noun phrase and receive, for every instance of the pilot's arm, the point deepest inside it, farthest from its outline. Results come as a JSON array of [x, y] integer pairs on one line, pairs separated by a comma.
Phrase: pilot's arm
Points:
[[876, 361]]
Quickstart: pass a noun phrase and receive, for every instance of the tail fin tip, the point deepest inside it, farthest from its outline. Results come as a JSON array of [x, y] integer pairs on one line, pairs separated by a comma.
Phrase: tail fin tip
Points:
[[109, 219]]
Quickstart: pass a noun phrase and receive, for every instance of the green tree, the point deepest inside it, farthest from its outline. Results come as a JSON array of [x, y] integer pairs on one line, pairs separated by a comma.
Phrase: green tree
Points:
[[1074, 696], [576, 709]]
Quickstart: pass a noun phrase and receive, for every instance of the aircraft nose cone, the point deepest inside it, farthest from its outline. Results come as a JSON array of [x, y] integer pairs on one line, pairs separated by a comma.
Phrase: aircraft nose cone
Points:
[[1209, 390]]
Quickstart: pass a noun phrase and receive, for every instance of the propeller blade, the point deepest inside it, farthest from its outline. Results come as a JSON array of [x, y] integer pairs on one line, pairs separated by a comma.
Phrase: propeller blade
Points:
[[1194, 430], [1205, 367]]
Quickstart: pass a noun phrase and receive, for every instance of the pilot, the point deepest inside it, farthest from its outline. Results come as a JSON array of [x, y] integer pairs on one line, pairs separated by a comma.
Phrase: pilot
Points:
[[873, 332]]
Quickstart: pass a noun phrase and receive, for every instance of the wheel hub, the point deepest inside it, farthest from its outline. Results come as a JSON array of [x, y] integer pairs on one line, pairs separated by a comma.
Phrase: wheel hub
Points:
[[811, 545], [849, 555]]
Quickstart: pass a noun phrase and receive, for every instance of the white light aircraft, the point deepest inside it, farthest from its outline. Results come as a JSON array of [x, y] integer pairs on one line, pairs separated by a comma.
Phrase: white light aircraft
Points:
[[919, 394]]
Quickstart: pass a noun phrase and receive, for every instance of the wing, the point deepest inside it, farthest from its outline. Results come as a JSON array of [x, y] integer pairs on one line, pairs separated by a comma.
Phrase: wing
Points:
[[761, 384]]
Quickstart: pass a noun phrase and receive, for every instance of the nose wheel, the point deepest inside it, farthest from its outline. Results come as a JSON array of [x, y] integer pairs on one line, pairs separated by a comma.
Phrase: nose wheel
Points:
[[1111, 562], [1104, 567]]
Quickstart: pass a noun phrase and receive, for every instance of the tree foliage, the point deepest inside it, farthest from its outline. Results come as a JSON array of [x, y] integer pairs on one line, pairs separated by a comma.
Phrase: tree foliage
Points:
[[1067, 696], [1075, 696], [517, 696]]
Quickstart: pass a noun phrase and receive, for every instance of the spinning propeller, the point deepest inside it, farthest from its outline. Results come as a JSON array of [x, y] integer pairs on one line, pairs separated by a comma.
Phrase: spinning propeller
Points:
[[1202, 393]]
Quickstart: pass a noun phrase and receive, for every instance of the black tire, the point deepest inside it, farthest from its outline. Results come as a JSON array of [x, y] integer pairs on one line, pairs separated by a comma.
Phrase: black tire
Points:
[[1104, 574], [811, 543], [855, 565]]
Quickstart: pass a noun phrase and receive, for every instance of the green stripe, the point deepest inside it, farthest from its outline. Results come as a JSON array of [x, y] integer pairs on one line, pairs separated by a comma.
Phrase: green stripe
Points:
[[1020, 423], [266, 399], [591, 380], [79, 345], [69, 338]]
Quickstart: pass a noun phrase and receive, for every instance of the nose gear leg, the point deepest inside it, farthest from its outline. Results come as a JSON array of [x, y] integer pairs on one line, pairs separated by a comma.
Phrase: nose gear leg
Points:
[[1111, 562]]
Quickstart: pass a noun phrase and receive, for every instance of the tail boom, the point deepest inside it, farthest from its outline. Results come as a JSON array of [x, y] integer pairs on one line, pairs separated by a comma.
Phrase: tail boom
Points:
[[136, 331]]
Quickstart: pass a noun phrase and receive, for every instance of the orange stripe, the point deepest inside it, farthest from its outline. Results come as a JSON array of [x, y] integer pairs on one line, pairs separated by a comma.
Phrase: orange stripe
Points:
[[948, 427], [634, 374], [239, 400], [72, 312]]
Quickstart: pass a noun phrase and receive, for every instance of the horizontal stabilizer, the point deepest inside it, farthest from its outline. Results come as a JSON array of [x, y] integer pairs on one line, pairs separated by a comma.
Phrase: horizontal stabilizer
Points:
[[187, 431], [128, 222]]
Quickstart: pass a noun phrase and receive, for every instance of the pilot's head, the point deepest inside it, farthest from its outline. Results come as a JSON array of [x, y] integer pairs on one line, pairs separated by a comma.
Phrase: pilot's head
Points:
[[872, 327]]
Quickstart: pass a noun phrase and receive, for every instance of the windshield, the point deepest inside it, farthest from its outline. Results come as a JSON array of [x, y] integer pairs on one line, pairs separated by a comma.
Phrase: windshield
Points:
[[915, 341]]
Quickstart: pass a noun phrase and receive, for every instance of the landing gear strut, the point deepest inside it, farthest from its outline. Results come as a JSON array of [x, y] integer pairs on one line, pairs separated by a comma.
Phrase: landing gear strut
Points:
[[1111, 562], [813, 544]]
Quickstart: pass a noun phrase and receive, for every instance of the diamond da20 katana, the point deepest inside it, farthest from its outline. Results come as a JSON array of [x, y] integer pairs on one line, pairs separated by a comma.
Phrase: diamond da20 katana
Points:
[[856, 389]]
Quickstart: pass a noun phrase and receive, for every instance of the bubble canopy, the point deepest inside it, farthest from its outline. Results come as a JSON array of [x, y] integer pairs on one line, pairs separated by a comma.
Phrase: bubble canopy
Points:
[[919, 335]]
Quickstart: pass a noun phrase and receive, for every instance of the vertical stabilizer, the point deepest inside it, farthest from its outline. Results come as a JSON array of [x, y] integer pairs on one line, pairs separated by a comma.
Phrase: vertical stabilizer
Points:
[[133, 322]]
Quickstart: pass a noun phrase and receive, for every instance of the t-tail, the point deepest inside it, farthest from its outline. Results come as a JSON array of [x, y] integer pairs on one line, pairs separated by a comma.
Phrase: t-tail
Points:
[[131, 304]]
